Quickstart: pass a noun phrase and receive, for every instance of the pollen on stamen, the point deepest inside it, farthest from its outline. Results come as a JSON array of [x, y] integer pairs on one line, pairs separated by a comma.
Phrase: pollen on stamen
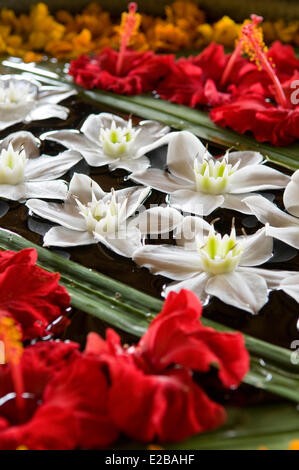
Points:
[[11, 338]]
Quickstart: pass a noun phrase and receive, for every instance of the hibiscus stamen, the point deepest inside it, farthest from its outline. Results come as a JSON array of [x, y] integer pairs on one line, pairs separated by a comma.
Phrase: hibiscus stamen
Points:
[[251, 43], [129, 25], [12, 350]]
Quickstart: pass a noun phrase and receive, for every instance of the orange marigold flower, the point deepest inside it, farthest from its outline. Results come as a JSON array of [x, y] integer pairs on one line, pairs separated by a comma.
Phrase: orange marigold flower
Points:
[[294, 444]]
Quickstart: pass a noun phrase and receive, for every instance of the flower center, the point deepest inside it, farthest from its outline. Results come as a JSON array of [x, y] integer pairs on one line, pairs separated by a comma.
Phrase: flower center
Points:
[[220, 254], [12, 165], [13, 95], [103, 216], [213, 176], [118, 141]]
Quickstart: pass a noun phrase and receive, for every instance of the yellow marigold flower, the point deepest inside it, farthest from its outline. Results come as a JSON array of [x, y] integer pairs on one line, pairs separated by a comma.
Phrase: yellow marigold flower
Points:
[[168, 37], [14, 41], [31, 56], [286, 32], [269, 31], [204, 35], [186, 10], [60, 49], [226, 31], [294, 445], [2, 45]]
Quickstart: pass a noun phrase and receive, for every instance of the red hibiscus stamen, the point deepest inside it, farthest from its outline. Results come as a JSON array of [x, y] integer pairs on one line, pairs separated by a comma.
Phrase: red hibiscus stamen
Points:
[[251, 43], [254, 46], [11, 353], [129, 25]]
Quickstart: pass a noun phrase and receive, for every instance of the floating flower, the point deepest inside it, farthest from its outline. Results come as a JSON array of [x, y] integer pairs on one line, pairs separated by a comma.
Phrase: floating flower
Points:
[[140, 71], [29, 294], [211, 265], [107, 139], [65, 401], [199, 183], [24, 173], [89, 215], [23, 100], [156, 374]]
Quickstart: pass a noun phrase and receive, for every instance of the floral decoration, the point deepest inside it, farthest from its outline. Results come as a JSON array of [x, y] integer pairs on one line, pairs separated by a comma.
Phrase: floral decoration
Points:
[[89, 215], [107, 139], [24, 100], [24, 173], [213, 265], [199, 183]]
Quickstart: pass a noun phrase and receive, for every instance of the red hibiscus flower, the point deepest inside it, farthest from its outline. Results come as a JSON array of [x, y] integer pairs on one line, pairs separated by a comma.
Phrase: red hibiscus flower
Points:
[[31, 295], [153, 394], [140, 71], [65, 404], [263, 103]]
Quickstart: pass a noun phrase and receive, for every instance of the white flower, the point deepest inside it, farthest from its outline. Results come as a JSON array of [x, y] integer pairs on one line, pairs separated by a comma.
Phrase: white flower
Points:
[[107, 139], [89, 215], [279, 224], [24, 100], [211, 265], [198, 183], [25, 174]]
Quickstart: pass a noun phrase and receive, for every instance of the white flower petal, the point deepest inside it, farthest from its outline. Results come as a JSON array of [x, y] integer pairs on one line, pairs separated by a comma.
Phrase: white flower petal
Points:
[[258, 249], [66, 214], [124, 243], [158, 220], [91, 127], [139, 165], [143, 149], [135, 196], [246, 158], [81, 186], [291, 195], [290, 286], [47, 168], [54, 94], [191, 228], [71, 139], [196, 284], [62, 236], [168, 260], [34, 189], [151, 131], [22, 139], [195, 202], [235, 202], [257, 178], [47, 111], [267, 212], [183, 147], [242, 289], [272, 277], [289, 235], [160, 180]]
